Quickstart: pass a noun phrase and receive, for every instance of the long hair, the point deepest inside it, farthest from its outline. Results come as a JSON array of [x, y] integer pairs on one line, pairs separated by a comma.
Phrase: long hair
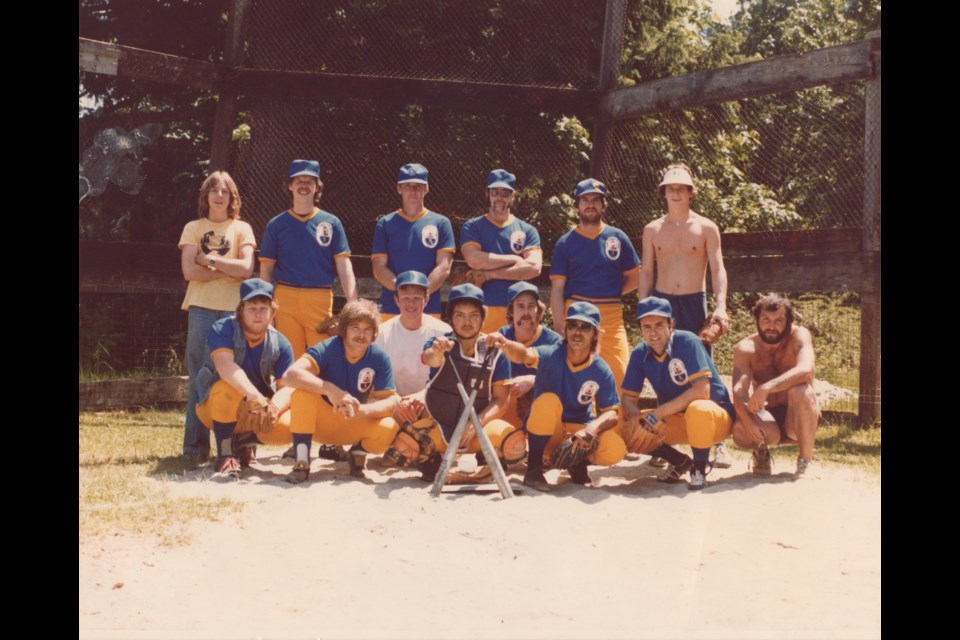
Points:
[[359, 311], [211, 182]]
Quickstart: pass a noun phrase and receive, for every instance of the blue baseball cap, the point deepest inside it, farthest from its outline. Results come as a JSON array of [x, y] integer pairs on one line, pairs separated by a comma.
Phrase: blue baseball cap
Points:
[[501, 179], [411, 278], [585, 312], [413, 173], [590, 185], [466, 292], [654, 306], [305, 168], [255, 287], [521, 287]]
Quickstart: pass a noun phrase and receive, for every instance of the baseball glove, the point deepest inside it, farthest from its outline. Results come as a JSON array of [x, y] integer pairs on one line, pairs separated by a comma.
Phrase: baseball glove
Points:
[[640, 436], [462, 274], [411, 445], [712, 330], [257, 416], [574, 450]]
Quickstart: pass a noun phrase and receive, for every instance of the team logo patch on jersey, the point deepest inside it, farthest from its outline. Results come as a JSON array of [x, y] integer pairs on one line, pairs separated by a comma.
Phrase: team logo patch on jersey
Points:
[[430, 236], [212, 242], [611, 247], [678, 372], [517, 240], [588, 391], [324, 234], [365, 379]]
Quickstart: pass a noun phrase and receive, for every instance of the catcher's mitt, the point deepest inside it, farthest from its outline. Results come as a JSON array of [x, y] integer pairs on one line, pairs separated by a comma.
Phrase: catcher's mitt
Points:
[[411, 445], [257, 416], [574, 450], [712, 330], [462, 274]]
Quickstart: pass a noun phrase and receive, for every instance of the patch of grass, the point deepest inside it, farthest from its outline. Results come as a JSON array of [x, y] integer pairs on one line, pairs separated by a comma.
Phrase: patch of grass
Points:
[[125, 458]]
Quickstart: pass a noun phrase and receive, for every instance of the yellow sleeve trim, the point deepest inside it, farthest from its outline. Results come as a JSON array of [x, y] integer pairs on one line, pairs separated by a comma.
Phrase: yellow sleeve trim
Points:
[[267, 260], [384, 393], [615, 408], [557, 277], [471, 243], [699, 374], [378, 255], [447, 250], [499, 383], [633, 269], [634, 394], [537, 248], [314, 367], [221, 349], [345, 253]]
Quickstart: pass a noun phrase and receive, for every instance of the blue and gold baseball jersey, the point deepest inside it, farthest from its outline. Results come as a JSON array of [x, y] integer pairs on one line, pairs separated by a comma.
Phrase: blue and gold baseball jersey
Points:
[[220, 338], [684, 361], [371, 373], [578, 387], [412, 244], [594, 266], [304, 248], [543, 336], [516, 237]]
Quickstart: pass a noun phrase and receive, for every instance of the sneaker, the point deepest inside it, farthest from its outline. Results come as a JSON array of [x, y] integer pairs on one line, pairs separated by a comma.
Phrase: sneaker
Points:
[[332, 452], [299, 473], [579, 474], [430, 467], [358, 463], [721, 457], [674, 474], [228, 466], [698, 480], [660, 463], [802, 465], [535, 479], [761, 462]]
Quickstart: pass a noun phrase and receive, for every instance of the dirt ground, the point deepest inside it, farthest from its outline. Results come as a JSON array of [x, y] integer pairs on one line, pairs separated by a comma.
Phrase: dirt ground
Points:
[[628, 557]]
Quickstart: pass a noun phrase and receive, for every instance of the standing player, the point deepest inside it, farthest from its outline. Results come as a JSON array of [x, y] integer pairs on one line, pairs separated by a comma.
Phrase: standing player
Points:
[[693, 404], [524, 313], [344, 393], [777, 362], [304, 249], [501, 248], [216, 254], [412, 239], [677, 248], [574, 393], [403, 336], [245, 356], [596, 263]]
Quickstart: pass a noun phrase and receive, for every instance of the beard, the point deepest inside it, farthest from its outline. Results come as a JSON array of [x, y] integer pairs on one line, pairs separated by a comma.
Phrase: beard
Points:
[[775, 339]]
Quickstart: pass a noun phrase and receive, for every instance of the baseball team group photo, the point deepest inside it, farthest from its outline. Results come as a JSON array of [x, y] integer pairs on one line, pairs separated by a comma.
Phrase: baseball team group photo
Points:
[[556, 348]]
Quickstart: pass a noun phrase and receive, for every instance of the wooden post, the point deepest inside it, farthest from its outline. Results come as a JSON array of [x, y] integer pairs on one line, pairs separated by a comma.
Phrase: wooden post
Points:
[[613, 25], [227, 102], [869, 408]]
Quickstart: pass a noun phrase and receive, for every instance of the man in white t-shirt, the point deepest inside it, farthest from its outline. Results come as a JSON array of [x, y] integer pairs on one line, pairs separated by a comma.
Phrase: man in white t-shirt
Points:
[[404, 335]]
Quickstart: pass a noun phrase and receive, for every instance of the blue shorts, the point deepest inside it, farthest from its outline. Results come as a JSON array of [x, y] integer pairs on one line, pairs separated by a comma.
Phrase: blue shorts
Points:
[[689, 309]]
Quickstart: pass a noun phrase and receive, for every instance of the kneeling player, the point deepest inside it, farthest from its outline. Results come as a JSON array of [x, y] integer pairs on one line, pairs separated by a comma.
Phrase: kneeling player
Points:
[[693, 404], [344, 393], [429, 418], [245, 355], [570, 380]]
